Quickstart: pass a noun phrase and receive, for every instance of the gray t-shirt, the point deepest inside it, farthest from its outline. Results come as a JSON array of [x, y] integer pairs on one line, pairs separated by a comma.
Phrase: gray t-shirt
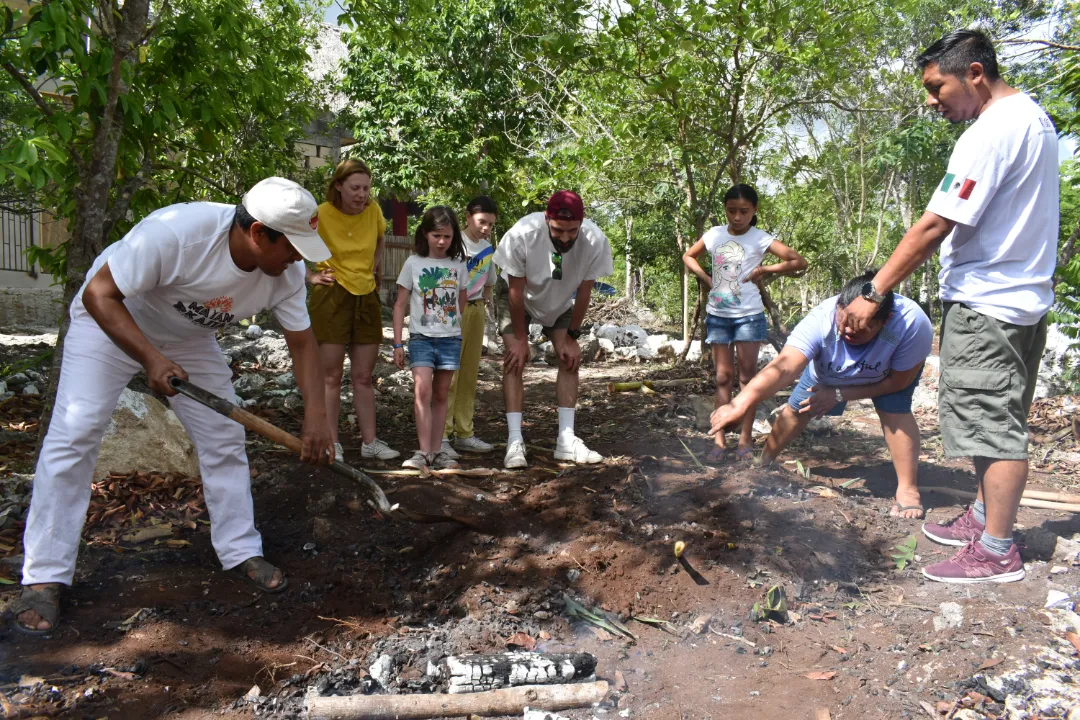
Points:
[[434, 286]]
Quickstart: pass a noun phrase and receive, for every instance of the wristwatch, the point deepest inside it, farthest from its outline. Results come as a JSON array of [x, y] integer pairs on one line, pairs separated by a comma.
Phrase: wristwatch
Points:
[[574, 333], [870, 293]]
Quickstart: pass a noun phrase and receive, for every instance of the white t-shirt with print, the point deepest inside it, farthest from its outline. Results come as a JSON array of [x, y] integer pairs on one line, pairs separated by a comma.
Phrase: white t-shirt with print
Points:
[[526, 251], [180, 282], [478, 259], [733, 258], [434, 286], [1001, 189]]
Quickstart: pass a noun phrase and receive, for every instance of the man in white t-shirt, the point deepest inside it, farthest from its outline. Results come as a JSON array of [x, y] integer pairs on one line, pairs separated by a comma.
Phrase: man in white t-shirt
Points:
[[995, 216], [545, 259], [154, 301]]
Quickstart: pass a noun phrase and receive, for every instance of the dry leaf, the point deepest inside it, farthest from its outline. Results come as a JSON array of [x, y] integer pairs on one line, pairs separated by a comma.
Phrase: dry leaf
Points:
[[822, 675], [544, 635], [120, 674], [839, 649], [150, 533], [928, 708], [989, 664], [823, 714], [1074, 639], [522, 640]]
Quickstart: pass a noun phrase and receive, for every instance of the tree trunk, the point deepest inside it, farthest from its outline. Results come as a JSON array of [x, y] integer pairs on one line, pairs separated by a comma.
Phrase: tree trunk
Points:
[[1069, 248], [689, 336], [774, 315], [629, 290]]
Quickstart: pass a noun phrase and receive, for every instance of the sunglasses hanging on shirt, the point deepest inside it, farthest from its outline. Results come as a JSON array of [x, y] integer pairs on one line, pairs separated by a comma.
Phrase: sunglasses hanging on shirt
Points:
[[556, 260]]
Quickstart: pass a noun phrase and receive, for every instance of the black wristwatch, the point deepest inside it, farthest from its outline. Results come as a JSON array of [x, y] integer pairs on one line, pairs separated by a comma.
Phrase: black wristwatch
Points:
[[574, 333], [871, 294]]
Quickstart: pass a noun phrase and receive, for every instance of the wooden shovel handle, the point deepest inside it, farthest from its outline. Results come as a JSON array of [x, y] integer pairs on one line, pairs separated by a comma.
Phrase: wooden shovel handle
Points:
[[257, 425]]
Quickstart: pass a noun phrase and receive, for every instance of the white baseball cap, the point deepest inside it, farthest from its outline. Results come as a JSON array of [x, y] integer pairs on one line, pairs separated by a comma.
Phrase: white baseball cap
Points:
[[287, 207]]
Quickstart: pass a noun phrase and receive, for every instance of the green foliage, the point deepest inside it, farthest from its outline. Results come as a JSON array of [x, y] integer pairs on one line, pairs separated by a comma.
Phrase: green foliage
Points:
[[905, 552], [192, 100]]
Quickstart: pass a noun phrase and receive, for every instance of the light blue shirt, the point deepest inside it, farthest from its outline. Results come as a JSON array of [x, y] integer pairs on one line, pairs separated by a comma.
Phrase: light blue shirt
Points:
[[902, 344]]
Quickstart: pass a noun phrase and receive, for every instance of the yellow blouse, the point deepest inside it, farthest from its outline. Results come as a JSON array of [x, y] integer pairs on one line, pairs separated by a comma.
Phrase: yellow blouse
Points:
[[352, 240]]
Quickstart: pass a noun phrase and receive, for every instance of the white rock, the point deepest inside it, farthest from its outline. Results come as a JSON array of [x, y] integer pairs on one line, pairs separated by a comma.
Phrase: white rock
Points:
[[30, 389], [1058, 570], [255, 692], [254, 332], [285, 380], [607, 332], [644, 352], [606, 345], [633, 335], [3, 387], [17, 380], [380, 670], [766, 354], [249, 385], [657, 341], [531, 714], [144, 435], [951, 616], [1056, 598]]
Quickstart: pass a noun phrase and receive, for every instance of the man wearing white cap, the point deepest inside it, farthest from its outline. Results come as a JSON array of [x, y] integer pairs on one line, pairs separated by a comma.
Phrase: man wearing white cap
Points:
[[154, 301]]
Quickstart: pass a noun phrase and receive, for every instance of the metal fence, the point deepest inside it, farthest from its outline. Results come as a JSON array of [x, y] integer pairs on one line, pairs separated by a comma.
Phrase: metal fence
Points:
[[18, 233]]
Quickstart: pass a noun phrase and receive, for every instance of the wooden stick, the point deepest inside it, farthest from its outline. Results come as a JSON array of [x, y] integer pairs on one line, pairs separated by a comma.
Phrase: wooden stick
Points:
[[1055, 496], [492, 703], [1024, 501]]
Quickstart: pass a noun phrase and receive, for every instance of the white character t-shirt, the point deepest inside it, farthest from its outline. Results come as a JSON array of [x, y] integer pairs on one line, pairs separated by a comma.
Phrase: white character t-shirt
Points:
[[434, 286], [733, 258], [1001, 189], [526, 251], [180, 282]]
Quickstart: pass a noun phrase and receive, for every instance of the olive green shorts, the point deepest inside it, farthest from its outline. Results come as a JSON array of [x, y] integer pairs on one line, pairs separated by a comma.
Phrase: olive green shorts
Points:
[[340, 318], [988, 374], [506, 324]]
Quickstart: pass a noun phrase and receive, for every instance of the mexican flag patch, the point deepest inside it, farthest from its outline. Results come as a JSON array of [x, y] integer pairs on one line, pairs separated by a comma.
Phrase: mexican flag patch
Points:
[[950, 183]]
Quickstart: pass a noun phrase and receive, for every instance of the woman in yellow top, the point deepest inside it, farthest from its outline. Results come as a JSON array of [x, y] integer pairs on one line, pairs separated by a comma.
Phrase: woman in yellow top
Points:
[[345, 310]]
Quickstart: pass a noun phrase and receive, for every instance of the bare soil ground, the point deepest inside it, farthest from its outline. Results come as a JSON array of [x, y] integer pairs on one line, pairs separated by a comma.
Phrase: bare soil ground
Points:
[[160, 631]]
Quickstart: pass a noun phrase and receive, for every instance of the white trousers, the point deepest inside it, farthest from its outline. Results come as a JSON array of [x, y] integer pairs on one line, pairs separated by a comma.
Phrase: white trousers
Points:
[[93, 374]]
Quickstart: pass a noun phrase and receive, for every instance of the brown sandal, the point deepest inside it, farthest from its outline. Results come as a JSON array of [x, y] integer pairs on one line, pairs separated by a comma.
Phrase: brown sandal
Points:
[[264, 573], [45, 602]]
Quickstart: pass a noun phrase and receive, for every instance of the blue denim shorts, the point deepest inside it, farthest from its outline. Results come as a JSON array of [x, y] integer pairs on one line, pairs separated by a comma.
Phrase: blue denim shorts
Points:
[[441, 353], [898, 402], [724, 330]]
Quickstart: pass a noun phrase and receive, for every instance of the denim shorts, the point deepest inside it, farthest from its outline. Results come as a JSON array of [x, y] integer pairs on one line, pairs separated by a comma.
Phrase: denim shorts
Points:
[[440, 353], [898, 402], [725, 330]]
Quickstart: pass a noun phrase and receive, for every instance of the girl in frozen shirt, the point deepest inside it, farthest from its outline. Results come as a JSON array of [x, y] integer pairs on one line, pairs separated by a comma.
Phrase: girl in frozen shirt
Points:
[[735, 314], [432, 289]]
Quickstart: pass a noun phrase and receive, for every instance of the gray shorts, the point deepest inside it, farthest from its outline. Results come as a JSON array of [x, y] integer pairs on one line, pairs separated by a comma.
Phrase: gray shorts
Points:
[[506, 324], [988, 374]]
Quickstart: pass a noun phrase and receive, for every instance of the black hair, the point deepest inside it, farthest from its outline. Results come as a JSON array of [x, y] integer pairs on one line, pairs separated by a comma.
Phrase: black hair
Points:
[[853, 289], [437, 217], [742, 191], [245, 220], [482, 204], [954, 54]]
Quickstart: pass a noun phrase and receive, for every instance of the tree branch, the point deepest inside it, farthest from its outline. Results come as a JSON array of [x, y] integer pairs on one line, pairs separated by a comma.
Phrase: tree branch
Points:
[[1044, 43], [28, 87]]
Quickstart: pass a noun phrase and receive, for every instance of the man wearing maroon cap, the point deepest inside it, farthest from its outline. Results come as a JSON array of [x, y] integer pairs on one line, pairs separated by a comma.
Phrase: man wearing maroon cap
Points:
[[545, 259]]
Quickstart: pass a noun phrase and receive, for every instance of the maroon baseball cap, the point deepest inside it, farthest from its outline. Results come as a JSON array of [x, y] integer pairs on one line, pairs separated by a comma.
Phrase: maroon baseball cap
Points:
[[566, 205]]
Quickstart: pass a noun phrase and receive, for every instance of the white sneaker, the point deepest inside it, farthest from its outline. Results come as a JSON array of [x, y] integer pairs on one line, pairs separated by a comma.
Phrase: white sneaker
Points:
[[442, 461], [515, 455], [445, 449], [339, 454], [378, 450], [473, 445], [576, 452], [418, 461]]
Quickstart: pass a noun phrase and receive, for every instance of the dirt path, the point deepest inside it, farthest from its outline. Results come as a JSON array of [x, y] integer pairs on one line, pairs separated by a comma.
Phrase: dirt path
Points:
[[159, 631]]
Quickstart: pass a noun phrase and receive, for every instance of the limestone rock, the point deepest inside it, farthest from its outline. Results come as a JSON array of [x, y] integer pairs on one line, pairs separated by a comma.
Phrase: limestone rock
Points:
[[254, 332], [144, 435], [249, 385], [286, 381]]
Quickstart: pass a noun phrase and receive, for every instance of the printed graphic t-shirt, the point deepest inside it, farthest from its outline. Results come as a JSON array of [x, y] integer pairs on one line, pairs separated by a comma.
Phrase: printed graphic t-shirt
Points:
[[434, 285], [902, 344], [352, 240], [1001, 189], [526, 251], [478, 259], [180, 282], [733, 258]]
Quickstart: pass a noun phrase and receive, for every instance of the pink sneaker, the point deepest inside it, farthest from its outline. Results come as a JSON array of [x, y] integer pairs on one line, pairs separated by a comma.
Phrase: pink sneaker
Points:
[[956, 532], [976, 564]]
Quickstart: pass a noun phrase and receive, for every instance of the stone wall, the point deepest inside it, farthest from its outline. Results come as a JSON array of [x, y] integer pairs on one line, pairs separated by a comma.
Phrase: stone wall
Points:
[[29, 307]]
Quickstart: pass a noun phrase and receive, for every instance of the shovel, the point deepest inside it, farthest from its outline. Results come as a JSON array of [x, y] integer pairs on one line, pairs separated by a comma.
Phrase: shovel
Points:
[[376, 496]]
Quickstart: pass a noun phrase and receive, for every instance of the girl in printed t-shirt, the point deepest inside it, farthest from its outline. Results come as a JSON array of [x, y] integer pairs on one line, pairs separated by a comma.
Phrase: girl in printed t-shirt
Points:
[[432, 288], [735, 313]]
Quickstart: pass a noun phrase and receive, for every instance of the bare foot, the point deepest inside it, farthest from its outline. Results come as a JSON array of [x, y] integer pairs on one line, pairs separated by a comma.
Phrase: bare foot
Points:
[[908, 505], [31, 619]]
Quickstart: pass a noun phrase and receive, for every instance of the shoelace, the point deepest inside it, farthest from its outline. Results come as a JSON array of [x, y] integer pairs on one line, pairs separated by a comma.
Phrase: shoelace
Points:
[[969, 556]]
